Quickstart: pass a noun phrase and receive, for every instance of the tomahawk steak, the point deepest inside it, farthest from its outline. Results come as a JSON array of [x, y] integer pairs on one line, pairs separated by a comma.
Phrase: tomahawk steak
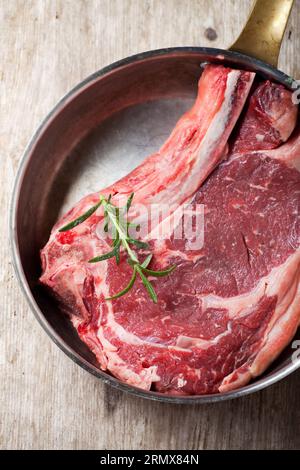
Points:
[[233, 303]]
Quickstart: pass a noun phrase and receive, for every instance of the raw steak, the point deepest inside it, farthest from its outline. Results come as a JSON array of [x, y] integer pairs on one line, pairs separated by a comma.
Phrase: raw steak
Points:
[[232, 305]]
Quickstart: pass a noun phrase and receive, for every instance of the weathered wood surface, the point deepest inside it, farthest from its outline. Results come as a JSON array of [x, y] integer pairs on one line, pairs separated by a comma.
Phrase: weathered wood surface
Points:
[[46, 401]]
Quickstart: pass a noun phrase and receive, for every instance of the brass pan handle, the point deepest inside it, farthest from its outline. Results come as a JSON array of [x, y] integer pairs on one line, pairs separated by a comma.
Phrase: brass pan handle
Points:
[[262, 35]]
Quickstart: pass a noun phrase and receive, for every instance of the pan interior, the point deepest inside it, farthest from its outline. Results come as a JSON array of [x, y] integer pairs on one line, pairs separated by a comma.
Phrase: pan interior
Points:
[[114, 148], [95, 136]]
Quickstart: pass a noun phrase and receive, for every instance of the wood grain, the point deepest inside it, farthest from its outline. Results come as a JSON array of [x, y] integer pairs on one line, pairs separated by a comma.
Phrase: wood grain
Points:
[[46, 401]]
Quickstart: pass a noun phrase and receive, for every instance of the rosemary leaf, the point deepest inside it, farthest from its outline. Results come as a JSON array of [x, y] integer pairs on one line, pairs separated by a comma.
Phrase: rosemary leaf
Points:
[[147, 284], [146, 261], [126, 289], [108, 255], [116, 242], [106, 225], [139, 243], [81, 218], [163, 273], [129, 201]]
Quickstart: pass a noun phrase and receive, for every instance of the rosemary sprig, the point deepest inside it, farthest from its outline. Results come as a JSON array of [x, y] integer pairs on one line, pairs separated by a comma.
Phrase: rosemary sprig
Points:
[[114, 217], [81, 218]]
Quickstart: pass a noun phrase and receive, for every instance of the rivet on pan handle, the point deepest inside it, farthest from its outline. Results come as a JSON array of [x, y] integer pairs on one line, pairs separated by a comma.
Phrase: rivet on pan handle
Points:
[[262, 35]]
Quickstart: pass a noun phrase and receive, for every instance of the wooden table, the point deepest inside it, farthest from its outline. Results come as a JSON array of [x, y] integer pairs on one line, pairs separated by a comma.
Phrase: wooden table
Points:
[[46, 401]]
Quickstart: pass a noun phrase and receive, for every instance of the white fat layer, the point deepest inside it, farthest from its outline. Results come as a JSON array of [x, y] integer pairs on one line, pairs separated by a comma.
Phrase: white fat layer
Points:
[[212, 139], [186, 342], [281, 329], [277, 282]]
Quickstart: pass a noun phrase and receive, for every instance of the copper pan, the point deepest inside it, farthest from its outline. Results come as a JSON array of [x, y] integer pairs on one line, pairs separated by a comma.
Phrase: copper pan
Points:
[[98, 132]]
